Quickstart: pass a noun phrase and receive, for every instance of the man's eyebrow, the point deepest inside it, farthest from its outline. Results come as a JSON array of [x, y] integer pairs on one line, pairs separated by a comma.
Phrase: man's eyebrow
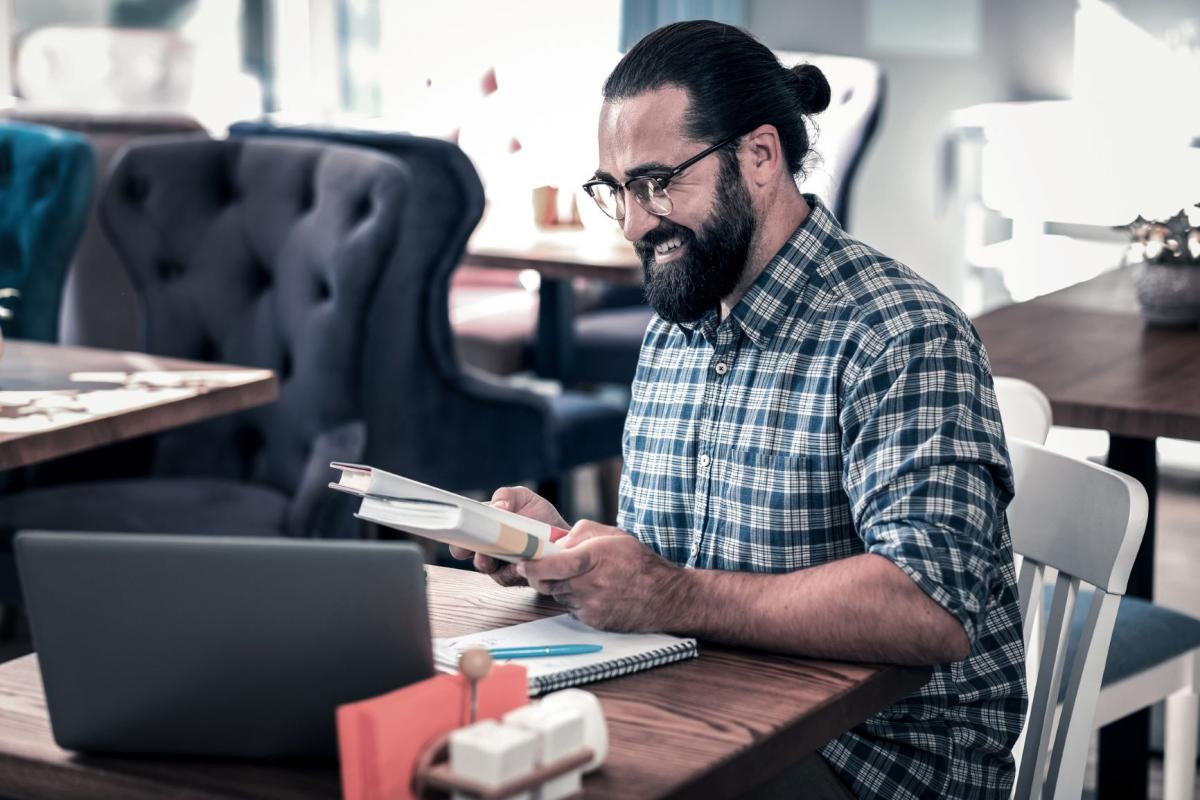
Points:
[[649, 168]]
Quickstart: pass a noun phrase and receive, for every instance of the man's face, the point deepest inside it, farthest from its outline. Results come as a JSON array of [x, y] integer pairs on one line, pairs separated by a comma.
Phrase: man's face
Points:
[[696, 255]]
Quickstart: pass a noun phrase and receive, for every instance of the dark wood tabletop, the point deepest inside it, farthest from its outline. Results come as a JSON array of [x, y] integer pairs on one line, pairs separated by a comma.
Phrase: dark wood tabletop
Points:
[[705, 727], [56, 400], [1101, 366]]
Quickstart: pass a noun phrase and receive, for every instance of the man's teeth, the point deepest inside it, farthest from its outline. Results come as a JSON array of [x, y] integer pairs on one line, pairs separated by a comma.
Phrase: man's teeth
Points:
[[668, 246]]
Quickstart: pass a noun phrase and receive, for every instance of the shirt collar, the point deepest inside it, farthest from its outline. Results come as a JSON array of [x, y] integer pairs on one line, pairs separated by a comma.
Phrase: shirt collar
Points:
[[769, 299]]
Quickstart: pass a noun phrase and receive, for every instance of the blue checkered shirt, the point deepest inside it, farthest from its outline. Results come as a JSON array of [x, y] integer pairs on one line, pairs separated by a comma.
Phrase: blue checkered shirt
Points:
[[846, 406]]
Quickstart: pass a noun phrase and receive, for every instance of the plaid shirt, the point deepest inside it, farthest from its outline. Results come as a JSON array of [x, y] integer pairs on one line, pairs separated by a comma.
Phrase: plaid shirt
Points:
[[846, 406]]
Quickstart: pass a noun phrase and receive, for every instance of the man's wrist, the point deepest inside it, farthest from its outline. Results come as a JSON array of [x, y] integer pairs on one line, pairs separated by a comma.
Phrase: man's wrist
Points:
[[681, 609]]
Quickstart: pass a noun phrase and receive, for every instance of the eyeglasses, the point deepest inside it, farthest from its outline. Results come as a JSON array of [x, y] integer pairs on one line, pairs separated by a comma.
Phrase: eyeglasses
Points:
[[650, 191]]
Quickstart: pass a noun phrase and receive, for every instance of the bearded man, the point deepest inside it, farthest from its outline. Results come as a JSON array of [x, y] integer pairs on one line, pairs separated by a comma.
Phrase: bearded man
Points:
[[814, 461]]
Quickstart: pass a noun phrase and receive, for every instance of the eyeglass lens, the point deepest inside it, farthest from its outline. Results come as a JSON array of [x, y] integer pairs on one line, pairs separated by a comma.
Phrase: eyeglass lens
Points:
[[646, 191]]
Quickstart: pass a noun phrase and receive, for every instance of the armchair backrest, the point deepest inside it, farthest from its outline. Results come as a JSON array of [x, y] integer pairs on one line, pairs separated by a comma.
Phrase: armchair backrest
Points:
[[268, 254], [428, 416], [99, 308], [846, 128], [1024, 409], [46, 180]]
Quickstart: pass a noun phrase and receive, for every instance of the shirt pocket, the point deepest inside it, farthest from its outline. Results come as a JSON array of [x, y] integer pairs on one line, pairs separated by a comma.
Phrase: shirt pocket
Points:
[[781, 512]]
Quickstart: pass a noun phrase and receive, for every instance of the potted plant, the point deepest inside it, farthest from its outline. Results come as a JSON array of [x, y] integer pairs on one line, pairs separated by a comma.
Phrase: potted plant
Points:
[[1166, 268]]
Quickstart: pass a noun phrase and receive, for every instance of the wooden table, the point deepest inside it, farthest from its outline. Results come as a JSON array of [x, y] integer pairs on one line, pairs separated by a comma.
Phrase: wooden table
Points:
[[705, 727], [1103, 367], [56, 400], [558, 256]]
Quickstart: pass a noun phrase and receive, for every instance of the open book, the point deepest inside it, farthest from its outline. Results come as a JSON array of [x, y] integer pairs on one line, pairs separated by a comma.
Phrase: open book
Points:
[[407, 505], [623, 652]]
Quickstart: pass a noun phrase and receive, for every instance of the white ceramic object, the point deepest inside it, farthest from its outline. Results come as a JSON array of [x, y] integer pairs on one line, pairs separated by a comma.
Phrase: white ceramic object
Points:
[[595, 728], [559, 728], [492, 754]]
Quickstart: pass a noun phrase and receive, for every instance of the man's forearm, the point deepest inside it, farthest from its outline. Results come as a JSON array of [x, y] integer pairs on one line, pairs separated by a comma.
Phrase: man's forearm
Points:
[[862, 608]]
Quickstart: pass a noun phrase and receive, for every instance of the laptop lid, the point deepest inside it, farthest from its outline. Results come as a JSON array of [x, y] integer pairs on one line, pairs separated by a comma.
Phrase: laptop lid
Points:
[[212, 646]]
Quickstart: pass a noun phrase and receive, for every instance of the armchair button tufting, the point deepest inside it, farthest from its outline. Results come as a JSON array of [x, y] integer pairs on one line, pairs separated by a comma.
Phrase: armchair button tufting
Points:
[[364, 208], [169, 270], [10, 251], [263, 279], [323, 290], [6, 164], [136, 189], [285, 367]]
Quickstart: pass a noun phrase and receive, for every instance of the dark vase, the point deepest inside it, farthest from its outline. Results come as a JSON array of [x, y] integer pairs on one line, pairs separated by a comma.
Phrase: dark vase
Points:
[[1168, 294]]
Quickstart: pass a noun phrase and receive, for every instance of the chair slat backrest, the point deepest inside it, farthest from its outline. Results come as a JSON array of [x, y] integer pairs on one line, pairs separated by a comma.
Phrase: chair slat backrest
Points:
[[1086, 522], [1076, 516], [1024, 409]]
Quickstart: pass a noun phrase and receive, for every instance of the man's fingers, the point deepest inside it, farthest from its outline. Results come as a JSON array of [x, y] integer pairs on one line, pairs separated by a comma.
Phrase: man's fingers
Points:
[[462, 554], [487, 564], [511, 498], [507, 576], [586, 529], [559, 567]]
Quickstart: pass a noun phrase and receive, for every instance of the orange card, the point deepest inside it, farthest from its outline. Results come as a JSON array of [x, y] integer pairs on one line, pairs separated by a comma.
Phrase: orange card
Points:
[[379, 739]]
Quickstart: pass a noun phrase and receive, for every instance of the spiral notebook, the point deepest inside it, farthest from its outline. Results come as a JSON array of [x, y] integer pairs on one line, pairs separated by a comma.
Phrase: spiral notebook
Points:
[[623, 652]]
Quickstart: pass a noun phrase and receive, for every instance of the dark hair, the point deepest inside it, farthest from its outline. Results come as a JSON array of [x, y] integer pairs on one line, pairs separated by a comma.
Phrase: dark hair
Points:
[[734, 82]]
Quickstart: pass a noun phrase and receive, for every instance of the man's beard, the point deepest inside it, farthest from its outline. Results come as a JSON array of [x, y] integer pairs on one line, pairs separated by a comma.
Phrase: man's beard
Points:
[[712, 262]]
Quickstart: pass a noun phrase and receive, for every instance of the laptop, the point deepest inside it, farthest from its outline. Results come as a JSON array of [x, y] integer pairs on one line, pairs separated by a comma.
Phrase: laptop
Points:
[[226, 647]]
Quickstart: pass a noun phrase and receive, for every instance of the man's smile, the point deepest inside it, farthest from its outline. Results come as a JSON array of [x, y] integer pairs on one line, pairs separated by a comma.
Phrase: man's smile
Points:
[[669, 250]]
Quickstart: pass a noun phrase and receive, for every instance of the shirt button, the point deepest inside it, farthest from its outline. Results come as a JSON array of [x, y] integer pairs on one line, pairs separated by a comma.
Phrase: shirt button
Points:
[[695, 549], [721, 368], [704, 460]]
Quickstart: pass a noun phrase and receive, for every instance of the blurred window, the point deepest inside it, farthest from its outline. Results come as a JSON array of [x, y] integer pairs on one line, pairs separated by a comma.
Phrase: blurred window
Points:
[[174, 56]]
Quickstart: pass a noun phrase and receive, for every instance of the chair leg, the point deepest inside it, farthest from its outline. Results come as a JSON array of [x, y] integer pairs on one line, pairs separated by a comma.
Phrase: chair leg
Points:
[[1179, 747], [610, 489], [10, 619], [558, 491]]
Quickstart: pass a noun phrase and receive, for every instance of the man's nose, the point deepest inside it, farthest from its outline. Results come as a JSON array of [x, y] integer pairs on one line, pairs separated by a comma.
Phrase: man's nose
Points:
[[638, 221]]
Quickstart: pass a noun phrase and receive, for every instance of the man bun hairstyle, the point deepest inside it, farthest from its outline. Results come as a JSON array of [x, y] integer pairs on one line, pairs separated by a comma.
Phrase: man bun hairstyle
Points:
[[735, 84], [811, 87]]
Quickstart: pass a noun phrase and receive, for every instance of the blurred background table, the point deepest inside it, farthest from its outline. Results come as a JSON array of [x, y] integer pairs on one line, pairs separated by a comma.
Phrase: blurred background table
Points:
[[558, 256], [57, 400]]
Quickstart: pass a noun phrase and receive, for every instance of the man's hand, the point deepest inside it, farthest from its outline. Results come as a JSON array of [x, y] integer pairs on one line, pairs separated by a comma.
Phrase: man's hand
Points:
[[608, 579], [518, 500]]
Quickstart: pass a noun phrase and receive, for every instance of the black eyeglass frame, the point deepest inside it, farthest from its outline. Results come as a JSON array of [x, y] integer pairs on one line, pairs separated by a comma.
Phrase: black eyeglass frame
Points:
[[663, 181]]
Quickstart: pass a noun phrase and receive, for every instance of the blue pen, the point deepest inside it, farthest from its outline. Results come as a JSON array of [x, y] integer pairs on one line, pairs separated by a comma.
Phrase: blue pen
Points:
[[545, 650]]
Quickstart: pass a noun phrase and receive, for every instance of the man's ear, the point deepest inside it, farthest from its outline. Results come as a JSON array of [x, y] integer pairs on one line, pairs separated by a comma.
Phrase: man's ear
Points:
[[762, 155]]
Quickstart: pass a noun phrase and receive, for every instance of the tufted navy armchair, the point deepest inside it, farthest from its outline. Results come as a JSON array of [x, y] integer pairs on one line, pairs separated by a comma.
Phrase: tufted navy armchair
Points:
[[451, 425], [268, 254], [46, 180]]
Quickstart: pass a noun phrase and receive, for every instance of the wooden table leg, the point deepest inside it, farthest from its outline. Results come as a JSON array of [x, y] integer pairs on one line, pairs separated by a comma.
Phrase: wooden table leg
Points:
[[1123, 757], [555, 330]]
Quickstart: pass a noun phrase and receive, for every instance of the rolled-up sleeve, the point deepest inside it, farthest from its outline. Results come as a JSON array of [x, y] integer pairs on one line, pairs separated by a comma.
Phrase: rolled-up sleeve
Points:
[[925, 466]]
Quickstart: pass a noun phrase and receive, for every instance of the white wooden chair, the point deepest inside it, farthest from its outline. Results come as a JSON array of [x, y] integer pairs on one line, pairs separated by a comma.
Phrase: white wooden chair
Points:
[[1024, 410], [1086, 522], [1153, 651]]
